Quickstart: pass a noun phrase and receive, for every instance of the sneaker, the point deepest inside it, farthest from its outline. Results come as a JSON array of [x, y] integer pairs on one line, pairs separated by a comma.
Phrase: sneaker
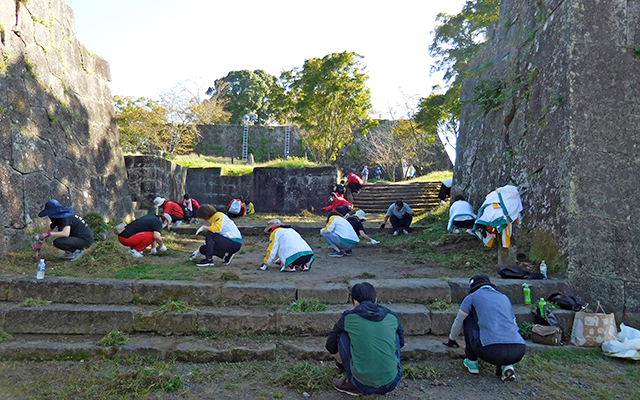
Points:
[[405, 231], [153, 251], [472, 366], [395, 233], [177, 224], [263, 267], [288, 268], [471, 232], [306, 267], [77, 255], [508, 373], [205, 263], [227, 259], [455, 230], [342, 385], [67, 255], [163, 248], [136, 253], [336, 254]]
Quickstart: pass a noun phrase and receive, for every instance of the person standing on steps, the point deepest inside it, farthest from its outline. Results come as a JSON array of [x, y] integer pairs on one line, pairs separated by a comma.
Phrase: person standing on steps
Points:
[[365, 174], [143, 232], [366, 343], [223, 239], [170, 208], [401, 216], [490, 329], [353, 185], [287, 246], [356, 223], [339, 234], [73, 235]]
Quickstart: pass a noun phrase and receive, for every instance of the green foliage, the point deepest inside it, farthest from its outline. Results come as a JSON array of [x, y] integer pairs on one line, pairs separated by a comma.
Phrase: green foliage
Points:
[[5, 336], [52, 119], [636, 52], [229, 276], [177, 306], [488, 94], [306, 377], [306, 306], [249, 92], [539, 245], [413, 372], [440, 305], [329, 100], [97, 224], [367, 275], [37, 302], [525, 329], [114, 338]]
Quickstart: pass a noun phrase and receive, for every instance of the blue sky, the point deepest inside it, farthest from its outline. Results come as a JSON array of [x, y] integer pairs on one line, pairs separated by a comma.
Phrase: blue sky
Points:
[[151, 46]]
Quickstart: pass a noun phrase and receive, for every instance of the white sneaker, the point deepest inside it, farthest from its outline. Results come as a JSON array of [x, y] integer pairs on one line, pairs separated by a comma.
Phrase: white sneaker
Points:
[[177, 224], [395, 233], [263, 267], [455, 230], [194, 255], [163, 248], [405, 232], [153, 251], [508, 373], [136, 253]]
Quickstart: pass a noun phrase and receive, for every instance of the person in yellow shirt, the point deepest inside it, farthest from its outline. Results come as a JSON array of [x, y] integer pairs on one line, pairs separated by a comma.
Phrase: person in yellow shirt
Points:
[[223, 239]]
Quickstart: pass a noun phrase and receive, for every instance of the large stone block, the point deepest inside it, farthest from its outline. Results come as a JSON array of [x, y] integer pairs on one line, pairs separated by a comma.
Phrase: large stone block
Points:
[[167, 323], [317, 323], [512, 288], [441, 321], [48, 350], [330, 293], [424, 291], [72, 290], [259, 293], [237, 321], [415, 319], [204, 352], [160, 292]]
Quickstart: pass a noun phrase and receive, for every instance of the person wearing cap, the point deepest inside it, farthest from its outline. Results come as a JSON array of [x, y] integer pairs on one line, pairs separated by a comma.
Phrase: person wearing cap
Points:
[[73, 234], [143, 232], [339, 234], [356, 223], [223, 239], [401, 216], [191, 206], [287, 246], [490, 329], [171, 208], [366, 343], [339, 204]]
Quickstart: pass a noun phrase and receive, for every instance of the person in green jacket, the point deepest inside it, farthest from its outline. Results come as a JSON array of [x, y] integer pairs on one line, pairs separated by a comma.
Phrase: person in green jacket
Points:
[[366, 343]]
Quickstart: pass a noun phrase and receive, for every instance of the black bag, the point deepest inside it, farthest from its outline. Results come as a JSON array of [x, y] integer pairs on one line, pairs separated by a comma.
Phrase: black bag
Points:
[[549, 335], [549, 318], [518, 273], [567, 302]]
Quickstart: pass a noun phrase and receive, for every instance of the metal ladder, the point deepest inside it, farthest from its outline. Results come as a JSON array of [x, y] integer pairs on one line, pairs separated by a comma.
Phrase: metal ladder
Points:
[[287, 139]]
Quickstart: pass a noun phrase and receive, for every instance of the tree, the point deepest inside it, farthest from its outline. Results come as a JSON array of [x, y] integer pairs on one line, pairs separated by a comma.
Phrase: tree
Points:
[[139, 121], [383, 148], [329, 101], [248, 92]]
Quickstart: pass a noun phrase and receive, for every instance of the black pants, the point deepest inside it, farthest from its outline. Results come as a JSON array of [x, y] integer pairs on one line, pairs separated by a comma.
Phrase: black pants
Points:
[[72, 243], [217, 245], [444, 192], [302, 260], [466, 224], [343, 210], [401, 223], [497, 354]]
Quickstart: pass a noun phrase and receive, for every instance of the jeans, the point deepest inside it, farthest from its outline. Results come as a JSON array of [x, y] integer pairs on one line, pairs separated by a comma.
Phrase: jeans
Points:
[[217, 245], [401, 223], [496, 354], [344, 348], [334, 241]]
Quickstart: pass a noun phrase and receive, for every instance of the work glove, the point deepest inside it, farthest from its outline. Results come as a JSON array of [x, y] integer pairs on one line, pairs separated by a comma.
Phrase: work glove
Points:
[[263, 267], [382, 226], [43, 236], [194, 254], [373, 241], [200, 229], [38, 246], [451, 343], [322, 231]]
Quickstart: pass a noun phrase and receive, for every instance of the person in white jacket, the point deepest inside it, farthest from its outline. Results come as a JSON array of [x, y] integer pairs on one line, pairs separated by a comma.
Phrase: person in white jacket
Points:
[[461, 215], [339, 234], [287, 246]]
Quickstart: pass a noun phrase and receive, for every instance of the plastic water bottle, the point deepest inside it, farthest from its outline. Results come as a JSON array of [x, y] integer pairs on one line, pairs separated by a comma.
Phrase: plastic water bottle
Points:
[[41, 267], [541, 304], [543, 269], [527, 294]]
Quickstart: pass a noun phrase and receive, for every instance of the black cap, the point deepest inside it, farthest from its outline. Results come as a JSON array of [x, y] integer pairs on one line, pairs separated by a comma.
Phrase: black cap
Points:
[[477, 281]]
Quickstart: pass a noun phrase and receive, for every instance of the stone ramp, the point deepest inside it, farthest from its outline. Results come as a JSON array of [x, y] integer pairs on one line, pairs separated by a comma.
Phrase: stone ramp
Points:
[[377, 197]]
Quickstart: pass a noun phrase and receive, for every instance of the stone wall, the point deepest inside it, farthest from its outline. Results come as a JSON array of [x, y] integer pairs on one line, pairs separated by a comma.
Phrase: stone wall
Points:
[[566, 132], [57, 123], [151, 176], [264, 142]]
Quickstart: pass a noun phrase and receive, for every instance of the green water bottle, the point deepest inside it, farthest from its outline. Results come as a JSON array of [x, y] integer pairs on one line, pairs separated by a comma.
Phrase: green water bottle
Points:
[[527, 294], [541, 304]]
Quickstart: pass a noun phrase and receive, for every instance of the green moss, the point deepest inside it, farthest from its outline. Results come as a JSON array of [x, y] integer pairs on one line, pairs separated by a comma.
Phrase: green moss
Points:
[[538, 245]]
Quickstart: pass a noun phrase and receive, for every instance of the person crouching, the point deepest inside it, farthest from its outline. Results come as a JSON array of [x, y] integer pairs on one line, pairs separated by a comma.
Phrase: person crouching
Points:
[[223, 239]]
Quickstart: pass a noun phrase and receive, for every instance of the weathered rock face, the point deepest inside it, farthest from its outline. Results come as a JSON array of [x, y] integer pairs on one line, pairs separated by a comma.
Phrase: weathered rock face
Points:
[[565, 76], [57, 122], [151, 176]]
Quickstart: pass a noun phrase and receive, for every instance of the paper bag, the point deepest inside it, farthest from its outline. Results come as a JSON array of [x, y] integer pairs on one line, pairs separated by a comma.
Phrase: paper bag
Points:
[[593, 329]]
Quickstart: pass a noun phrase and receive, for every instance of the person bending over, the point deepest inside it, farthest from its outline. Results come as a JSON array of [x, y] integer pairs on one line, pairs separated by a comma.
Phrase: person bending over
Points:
[[170, 208], [143, 232], [356, 223], [73, 235], [287, 246], [223, 239], [339, 234], [400, 215]]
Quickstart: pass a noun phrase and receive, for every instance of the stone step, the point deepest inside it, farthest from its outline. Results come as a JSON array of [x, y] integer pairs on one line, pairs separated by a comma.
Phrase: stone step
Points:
[[16, 289], [72, 319], [203, 349]]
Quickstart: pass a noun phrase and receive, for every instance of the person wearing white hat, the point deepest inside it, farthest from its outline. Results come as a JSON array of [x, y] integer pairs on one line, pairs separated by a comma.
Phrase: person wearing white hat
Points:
[[170, 207], [286, 245], [356, 221]]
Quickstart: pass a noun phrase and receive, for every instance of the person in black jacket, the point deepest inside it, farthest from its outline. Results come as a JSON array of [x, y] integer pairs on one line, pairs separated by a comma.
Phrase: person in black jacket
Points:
[[143, 232], [73, 234], [366, 343]]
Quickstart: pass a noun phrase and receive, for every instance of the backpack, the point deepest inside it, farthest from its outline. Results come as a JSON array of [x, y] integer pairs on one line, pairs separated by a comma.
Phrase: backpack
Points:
[[518, 273], [567, 302], [235, 206]]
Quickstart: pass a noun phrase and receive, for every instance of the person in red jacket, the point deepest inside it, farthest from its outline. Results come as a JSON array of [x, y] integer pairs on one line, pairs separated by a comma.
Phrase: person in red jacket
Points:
[[339, 204], [171, 208], [353, 185], [191, 206]]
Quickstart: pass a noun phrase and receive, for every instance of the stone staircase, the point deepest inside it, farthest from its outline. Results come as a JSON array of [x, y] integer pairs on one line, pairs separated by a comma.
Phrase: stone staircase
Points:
[[377, 197], [231, 321]]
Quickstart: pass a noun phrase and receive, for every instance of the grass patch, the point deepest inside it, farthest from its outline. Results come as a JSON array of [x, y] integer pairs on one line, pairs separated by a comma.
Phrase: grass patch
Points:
[[440, 305], [419, 371], [306, 305], [177, 306], [37, 302], [525, 329], [4, 336], [434, 176], [229, 276], [240, 167], [366, 275], [306, 377], [114, 338], [184, 271]]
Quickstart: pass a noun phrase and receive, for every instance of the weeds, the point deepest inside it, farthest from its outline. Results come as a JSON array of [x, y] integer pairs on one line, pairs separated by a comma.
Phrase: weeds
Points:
[[366, 275], [307, 306], [229, 276], [37, 302], [176, 307], [440, 305], [4, 336], [240, 168], [306, 377], [525, 329], [114, 338], [410, 371]]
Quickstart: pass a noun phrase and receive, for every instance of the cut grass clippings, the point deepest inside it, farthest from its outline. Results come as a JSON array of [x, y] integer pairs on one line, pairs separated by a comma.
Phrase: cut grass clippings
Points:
[[114, 338], [176, 307], [37, 302], [306, 305], [307, 377]]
